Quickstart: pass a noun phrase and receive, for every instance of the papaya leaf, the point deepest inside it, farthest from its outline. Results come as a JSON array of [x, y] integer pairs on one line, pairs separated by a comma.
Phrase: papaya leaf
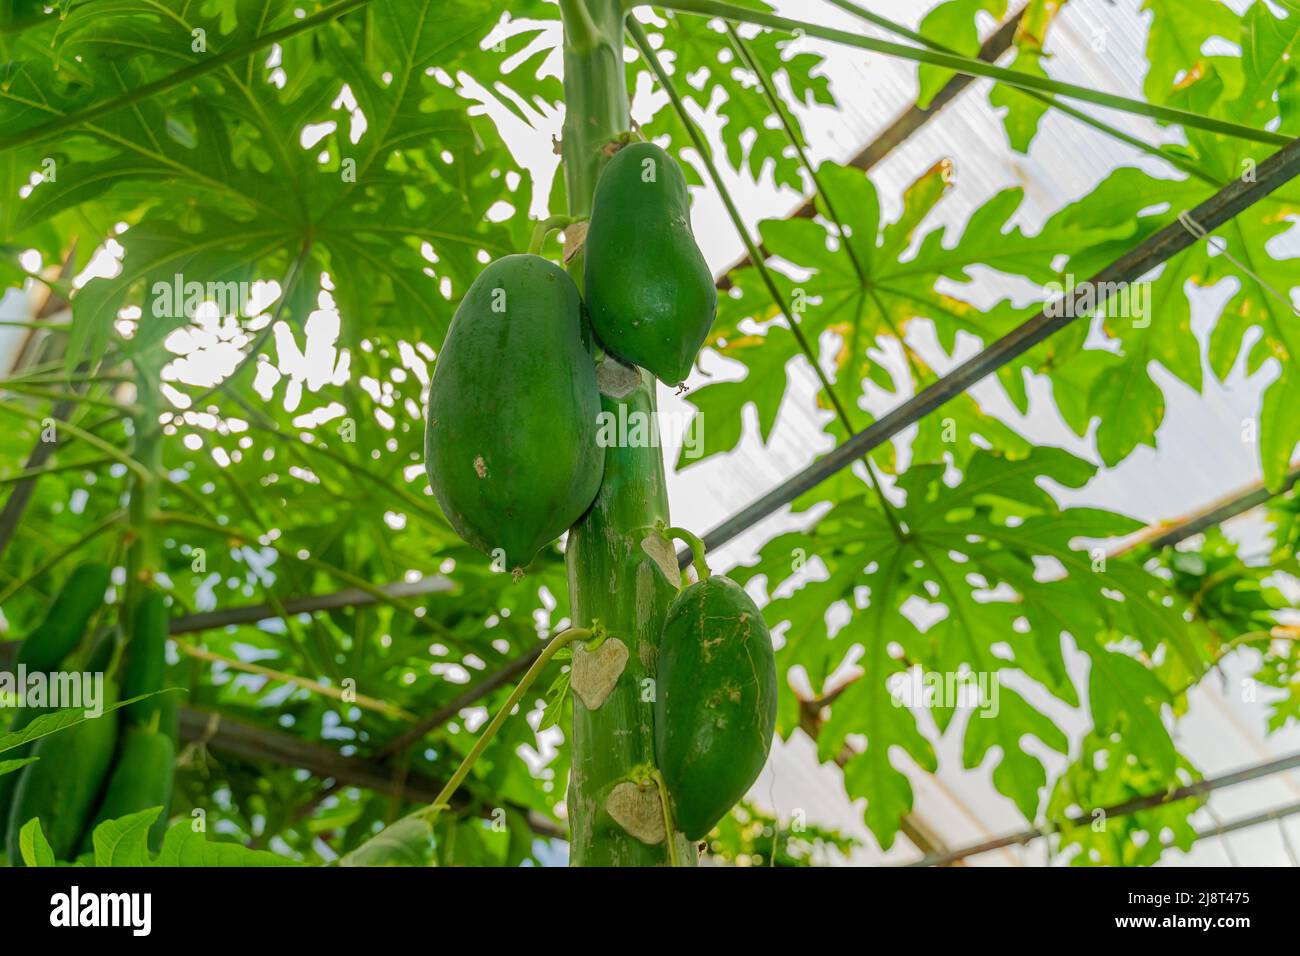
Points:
[[1103, 776], [1176, 40], [407, 842], [967, 591], [10, 766], [863, 290], [52, 723], [1261, 240], [557, 695], [32, 845], [1022, 113], [953, 24], [361, 206], [711, 79], [124, 842], [867, 707], [1258, 251], [1004, 724]]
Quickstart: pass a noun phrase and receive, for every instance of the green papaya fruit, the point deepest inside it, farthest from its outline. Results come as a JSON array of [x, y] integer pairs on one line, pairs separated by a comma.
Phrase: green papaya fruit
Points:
[[9, 782], [62, 786], [142, 778], [510, 441], [169, 717], [65, 622], [145, 658], [100, 656], [715, 701], [649, 292], [47, 645]]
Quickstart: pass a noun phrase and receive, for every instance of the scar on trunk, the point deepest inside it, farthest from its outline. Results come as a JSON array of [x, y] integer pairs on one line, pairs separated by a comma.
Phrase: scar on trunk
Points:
[[596, 672], [638, 811], [615, 379]]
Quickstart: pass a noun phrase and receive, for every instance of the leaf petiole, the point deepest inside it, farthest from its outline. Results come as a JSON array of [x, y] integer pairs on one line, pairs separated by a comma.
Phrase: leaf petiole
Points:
[[442, 801]]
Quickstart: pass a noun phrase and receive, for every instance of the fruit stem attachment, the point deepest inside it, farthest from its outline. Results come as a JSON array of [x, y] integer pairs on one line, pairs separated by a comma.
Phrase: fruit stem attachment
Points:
[[560, 640], [544, 229], [696, 546]]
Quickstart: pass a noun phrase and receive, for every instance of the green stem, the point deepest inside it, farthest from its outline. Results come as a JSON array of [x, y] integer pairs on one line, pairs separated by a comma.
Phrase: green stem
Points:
[[94, 441], [1250, 637], [57, 395], [89, 464], [362, 701], [670, 827], [560, 640], [975, 67], [544, 229], [582, 33], [885, 24], [61, 327], [697, 549], [79, 378]]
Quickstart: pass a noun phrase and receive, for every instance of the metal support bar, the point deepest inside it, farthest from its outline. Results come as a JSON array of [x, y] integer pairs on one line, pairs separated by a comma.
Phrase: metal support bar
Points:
[[1278, 169]]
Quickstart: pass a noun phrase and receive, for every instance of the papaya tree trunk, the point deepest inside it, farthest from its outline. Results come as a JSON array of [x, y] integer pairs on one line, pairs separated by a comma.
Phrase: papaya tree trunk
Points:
[[615, 816]]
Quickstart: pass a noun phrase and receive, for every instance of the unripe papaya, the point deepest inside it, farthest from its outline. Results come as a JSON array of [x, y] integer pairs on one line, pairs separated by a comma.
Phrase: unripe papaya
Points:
[[145, 658], [715, 701], [47, 645], [510, 441], [101, 651], [143, 778], [9, 782], [169, 718], [649, 291], [65, 623], [62, 786]]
